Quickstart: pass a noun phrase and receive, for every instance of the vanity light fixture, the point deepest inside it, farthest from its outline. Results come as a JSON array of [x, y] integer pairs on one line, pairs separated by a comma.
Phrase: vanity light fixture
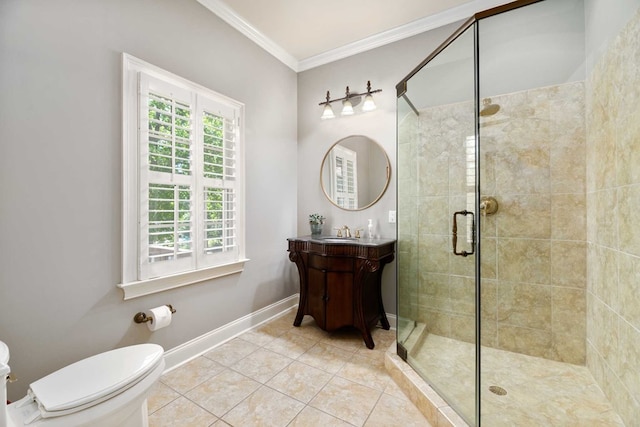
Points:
[[368, 105], [347, 108], [347, 104], [327, 112]]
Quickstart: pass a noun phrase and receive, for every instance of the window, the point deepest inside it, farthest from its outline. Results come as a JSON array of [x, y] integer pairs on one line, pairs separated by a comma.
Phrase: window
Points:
[[344, 183], [183, 218]]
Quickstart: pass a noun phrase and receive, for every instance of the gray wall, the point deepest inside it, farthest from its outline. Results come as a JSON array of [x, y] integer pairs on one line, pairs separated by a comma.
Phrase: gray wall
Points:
[[385, 67], [60, 174]]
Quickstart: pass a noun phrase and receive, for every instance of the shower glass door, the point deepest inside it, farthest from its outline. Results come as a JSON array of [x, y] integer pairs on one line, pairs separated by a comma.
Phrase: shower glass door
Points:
[[437, 220], [532, 162]]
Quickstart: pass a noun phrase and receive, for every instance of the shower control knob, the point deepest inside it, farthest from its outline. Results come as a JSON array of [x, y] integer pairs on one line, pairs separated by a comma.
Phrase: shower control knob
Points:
[[488, 205]]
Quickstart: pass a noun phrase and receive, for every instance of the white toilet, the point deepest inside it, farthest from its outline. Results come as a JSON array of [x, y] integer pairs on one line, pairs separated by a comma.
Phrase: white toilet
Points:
[[106, 390]]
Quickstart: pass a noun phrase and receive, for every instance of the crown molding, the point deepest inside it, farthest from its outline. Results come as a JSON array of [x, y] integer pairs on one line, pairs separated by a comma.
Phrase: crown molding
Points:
[[230, 16], [418, 26]]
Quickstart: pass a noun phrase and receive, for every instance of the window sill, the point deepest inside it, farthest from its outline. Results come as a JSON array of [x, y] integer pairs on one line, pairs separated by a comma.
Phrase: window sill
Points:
[[147, 287]]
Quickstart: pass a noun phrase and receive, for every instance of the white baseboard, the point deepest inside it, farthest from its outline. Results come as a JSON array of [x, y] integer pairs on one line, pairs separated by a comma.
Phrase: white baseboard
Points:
[[393, 321], [196, 347]]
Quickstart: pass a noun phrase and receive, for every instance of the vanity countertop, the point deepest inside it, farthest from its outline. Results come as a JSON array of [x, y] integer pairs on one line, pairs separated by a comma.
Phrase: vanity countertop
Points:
[[333, 240]]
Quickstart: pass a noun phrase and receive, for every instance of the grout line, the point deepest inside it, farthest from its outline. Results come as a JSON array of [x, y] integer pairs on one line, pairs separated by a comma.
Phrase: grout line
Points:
[[348, 351]]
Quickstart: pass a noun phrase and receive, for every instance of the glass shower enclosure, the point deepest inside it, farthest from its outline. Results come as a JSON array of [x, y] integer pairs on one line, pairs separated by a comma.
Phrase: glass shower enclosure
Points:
[[437, 220], [492, 218]]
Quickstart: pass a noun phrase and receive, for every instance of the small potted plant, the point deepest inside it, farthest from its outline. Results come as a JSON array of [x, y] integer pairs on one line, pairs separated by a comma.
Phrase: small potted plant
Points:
[[315, 222]]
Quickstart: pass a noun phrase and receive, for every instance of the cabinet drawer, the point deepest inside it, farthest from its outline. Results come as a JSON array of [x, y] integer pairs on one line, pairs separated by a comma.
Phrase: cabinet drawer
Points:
[[330, 263]]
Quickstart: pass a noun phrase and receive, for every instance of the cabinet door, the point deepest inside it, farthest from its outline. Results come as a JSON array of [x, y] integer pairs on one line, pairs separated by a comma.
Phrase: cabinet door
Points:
[[339, 300], [316, 295]]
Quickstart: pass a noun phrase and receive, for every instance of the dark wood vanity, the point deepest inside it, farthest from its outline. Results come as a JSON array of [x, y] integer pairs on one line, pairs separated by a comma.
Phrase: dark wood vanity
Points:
[[340, 281]]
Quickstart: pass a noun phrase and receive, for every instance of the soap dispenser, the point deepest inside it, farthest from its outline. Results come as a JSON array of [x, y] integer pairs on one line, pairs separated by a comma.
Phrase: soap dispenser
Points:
[[370, 229]]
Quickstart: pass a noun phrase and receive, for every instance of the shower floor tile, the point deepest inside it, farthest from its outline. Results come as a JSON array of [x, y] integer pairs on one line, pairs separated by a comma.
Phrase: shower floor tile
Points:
[[538, 391]]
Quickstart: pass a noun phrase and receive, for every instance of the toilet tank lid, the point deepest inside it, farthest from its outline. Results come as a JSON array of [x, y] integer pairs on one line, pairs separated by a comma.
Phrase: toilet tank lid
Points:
[[4, 353], [92, 378]]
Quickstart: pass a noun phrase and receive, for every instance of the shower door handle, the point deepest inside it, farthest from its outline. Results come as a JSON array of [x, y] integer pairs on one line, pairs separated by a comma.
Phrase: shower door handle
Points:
[[455, 233]]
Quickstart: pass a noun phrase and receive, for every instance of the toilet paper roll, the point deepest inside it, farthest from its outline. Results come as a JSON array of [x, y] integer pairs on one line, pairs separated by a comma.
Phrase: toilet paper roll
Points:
[[161, 318]]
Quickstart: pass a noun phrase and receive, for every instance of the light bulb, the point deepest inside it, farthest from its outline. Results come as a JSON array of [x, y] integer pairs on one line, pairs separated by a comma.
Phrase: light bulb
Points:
[[368, 104], [347, 108], [327, 112]]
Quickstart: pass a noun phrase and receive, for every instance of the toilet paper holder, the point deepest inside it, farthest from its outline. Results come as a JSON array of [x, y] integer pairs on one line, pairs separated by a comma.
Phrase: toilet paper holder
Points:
[[141, 317]]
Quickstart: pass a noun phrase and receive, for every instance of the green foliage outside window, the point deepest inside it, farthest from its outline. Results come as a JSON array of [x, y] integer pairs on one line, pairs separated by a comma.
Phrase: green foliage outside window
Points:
[[169, 136], [170, 151], [213, 146], [170, 216]]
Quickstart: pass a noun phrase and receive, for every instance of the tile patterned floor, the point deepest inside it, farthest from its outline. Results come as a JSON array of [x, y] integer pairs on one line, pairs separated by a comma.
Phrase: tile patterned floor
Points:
[[280, 375]]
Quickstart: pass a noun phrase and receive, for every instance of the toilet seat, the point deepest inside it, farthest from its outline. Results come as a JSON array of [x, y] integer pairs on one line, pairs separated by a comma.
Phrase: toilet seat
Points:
[[93, 380]]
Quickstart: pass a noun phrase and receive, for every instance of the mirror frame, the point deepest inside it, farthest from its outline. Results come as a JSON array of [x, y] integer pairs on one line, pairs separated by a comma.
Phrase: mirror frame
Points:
[[387, 172]]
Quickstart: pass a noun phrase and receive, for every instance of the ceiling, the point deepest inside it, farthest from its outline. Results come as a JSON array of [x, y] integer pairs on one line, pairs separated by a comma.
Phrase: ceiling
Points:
[[306, 33]]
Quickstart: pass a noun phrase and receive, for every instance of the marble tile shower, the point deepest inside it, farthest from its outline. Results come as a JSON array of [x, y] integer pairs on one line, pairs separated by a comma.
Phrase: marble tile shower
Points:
[[613, 203], [560, 262], [533, 251]]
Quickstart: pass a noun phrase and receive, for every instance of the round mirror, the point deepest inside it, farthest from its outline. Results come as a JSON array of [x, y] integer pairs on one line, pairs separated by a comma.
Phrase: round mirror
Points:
[[355, 173]]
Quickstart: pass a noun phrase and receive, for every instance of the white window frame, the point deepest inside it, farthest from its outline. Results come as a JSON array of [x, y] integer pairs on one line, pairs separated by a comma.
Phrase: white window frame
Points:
[[136, 281]]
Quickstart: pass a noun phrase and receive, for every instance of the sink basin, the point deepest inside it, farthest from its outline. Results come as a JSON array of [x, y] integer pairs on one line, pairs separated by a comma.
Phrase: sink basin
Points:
[[330, 239]]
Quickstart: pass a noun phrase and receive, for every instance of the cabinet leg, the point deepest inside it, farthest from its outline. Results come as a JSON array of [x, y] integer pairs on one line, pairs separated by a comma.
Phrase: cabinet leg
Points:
[[384, 322], [383, 314], [368, 340], [299, 316]]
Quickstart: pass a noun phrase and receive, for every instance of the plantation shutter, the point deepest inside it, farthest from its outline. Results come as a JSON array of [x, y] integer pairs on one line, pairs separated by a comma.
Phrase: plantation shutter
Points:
[[188, 208], [167, 178], [218, 161]]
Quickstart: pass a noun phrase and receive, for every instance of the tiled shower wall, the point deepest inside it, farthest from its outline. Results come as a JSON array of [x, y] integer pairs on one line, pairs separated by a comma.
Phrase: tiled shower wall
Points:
[[613, 226], [533, 249]]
